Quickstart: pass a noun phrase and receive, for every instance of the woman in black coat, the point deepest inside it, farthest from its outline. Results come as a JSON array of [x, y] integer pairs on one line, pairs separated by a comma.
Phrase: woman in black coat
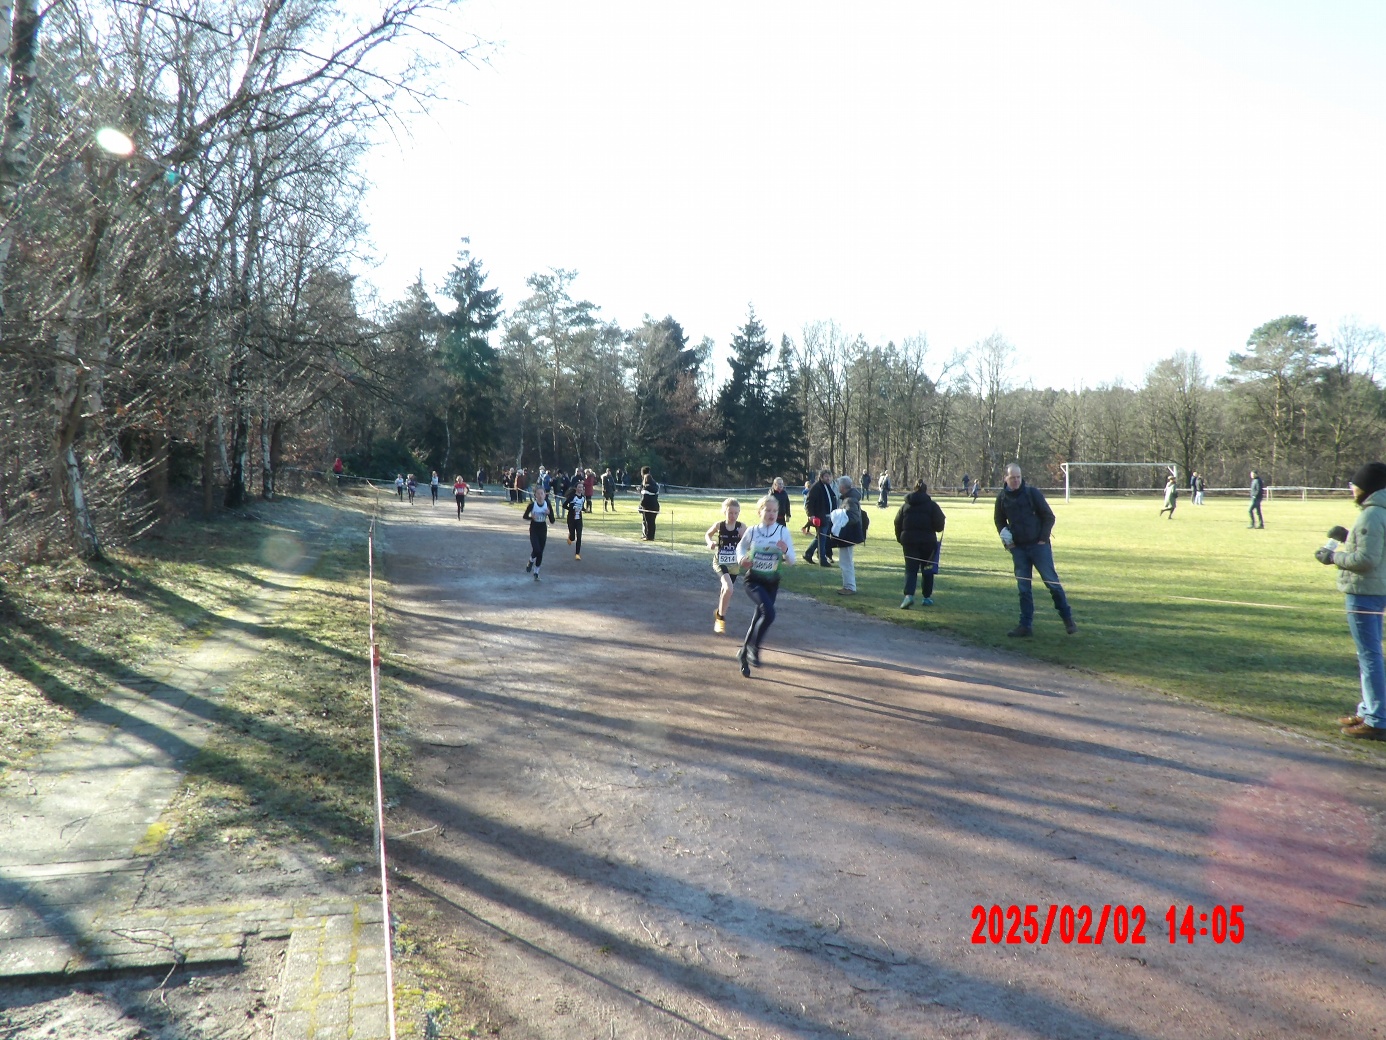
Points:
[[918, 524], [649, 504]]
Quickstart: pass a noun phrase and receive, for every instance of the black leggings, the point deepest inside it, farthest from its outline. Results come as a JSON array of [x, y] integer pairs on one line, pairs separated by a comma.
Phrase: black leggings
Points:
[[538, 538], [575, 530], [647, 523], [763, 595], [461, 504]]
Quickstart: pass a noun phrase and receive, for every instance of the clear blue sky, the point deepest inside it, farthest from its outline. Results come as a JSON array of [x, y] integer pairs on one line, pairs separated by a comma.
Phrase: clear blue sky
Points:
[[1102, 182]]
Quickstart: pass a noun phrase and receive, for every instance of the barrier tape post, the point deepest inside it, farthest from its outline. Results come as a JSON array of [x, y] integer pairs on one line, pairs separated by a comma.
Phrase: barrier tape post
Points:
[[387, 925]]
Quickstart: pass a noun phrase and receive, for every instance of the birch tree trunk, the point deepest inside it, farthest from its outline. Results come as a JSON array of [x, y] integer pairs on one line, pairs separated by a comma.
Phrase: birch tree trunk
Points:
[[19, 27], [266, 461]]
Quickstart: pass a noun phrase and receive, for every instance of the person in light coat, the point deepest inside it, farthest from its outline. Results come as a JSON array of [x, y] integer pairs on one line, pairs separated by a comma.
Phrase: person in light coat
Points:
[[1361, 563]]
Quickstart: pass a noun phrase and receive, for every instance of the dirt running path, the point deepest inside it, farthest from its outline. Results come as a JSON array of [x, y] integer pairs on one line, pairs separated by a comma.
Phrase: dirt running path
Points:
[[640, 843]]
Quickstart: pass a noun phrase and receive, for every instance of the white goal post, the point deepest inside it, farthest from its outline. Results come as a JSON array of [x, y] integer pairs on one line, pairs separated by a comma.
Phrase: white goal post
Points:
[[1173, 469]]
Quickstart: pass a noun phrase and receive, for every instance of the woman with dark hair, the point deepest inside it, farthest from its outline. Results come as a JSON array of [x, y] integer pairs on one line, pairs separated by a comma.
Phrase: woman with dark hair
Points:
[[918, 524], [649, 504], [1361, 563]]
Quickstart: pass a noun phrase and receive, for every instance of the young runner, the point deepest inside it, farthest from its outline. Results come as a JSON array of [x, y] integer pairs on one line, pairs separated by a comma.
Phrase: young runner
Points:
[[722, 538], [762, 550], [399, 486], [539, 513], [459, 492], [433, 485], [577, 505], [411, 485]]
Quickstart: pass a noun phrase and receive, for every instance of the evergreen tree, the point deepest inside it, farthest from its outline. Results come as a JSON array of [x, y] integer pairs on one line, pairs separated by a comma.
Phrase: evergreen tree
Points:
[[469, 362], [761, 422]]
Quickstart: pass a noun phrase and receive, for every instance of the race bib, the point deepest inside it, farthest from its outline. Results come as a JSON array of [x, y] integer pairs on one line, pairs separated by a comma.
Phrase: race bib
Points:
[[726, 556], [766, 560]]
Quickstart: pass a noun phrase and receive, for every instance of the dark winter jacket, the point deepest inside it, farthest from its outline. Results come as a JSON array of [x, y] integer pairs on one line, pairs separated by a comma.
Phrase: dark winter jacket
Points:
[[782, 502], [852, 533], [822, 500], [1026, 513], [918, 523], [649, 496]]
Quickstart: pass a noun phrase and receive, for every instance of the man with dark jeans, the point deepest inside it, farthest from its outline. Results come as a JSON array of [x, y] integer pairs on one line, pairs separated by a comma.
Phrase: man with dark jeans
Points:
[[1258, 492], [821, 502], [1024, 521]]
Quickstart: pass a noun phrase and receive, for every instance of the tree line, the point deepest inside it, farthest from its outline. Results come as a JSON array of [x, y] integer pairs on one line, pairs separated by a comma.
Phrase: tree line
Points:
[[179, 327]]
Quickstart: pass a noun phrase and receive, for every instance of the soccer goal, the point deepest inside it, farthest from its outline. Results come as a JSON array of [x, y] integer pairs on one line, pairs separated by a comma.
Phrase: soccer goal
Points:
[[1170, 466]]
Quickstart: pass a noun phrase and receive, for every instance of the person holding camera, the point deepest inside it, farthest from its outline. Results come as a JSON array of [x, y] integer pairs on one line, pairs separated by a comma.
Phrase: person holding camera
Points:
[[1024, 521], [1361, 563]]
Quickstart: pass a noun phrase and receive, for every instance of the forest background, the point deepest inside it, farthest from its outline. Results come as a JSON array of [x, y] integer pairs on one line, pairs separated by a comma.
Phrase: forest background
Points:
[[180, 329]]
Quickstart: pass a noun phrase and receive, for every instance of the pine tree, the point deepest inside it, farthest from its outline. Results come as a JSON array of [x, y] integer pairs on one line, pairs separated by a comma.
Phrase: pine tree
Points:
[[469, 360]]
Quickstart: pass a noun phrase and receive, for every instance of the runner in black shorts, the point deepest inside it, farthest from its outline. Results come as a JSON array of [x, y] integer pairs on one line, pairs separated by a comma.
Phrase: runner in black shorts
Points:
[[539, 513], [722, 538]]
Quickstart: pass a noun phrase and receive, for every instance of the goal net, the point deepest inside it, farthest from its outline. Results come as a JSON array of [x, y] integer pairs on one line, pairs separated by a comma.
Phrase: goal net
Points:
[[1168, 467]]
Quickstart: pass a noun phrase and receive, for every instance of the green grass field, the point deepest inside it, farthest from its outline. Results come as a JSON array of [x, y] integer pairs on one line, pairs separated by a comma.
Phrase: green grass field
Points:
[[1245, 621]]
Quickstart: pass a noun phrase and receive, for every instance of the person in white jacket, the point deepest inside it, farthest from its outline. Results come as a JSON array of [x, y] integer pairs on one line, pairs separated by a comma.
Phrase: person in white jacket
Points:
[[847, 533]]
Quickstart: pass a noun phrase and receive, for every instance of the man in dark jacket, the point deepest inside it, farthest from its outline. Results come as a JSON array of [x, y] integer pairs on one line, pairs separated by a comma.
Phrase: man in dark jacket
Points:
[[822, 500], [917, 527], [1258, 492], [1024, 522]]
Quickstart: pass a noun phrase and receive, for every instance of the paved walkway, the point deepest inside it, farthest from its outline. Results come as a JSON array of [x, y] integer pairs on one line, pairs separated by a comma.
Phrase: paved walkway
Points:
[[82, 822]]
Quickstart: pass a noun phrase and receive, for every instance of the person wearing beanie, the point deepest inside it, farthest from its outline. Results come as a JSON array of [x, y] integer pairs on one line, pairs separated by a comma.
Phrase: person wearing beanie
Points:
[[1361, 563]]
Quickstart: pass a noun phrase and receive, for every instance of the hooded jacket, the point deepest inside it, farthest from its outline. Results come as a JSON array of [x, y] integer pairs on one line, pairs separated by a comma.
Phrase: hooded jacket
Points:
[[918, 523], [1362, 559]]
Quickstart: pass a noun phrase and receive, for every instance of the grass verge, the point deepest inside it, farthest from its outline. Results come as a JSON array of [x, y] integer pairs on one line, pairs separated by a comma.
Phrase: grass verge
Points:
[[1243, 621], [69, 631]]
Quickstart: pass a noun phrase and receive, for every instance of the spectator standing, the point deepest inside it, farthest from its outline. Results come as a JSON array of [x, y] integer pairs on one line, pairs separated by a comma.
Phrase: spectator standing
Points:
[[918, 523], [820, 503], [1258, 492], [649, 504], [848, 533], [1024, 521], [884, 486], [781, 497], [337, 469], [1361, 563], [608, 490]]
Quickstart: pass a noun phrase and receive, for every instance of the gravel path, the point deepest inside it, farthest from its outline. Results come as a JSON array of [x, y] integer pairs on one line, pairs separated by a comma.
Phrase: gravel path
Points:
[[640, 843]]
